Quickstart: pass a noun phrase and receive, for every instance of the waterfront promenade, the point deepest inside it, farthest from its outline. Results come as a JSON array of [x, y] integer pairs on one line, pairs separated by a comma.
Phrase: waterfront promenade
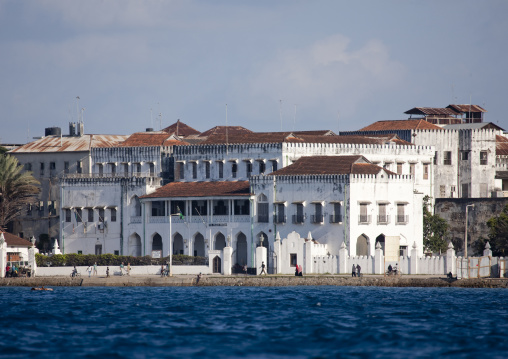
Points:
[[255, 281]]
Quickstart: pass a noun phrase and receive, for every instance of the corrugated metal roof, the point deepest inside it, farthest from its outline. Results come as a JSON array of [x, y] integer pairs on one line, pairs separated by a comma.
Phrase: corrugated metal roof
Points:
[[472, 126], [159, 138], [70, 143], [467, 108], [431, 111], [231, 130], [501, 146]]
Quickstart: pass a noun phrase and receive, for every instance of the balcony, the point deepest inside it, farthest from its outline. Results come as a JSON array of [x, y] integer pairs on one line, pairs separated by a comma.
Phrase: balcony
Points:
[[316, 218], [277, 218], [335, 218], [298, 218], [383, 219], [402, 219], [364, 219]]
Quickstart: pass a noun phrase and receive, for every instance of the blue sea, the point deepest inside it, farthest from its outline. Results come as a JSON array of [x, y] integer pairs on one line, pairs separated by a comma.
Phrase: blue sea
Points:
[[246, 322]]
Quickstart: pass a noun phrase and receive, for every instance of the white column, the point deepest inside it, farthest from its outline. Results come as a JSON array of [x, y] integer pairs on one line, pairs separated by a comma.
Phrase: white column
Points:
[[3, 255], [276, 249], [343, 264], [226, 260], [379, 260], [260, 257], [451, 260], [414, 260]]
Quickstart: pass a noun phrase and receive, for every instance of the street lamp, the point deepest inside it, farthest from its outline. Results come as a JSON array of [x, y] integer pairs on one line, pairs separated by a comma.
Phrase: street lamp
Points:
[[465, 239]]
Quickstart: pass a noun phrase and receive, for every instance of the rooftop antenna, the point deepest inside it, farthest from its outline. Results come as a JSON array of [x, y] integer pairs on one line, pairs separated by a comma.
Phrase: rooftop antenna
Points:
[[294, 119], [338, 123], [160, 116], [151, 118], [470, 120], [82, 115], [77, 107], [227, 146], [280, 114]]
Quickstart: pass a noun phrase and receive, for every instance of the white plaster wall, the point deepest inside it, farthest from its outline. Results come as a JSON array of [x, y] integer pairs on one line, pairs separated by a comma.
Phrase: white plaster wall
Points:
[[115, 270]]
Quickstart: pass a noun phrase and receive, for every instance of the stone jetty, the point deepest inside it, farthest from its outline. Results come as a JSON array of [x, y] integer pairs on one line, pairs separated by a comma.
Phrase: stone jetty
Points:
[[254, 281]]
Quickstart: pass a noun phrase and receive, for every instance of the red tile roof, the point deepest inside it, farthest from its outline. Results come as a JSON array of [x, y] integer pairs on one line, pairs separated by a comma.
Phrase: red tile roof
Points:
[[419, 124], [432, 111], [467, 108], [231, 130], [501, 146], [202, 189], [329, 165], [15, 241], [158, 138], [181, 129]]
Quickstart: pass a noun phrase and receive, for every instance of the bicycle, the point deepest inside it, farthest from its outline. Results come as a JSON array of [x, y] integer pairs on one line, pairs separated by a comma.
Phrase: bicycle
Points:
[[75, 274]]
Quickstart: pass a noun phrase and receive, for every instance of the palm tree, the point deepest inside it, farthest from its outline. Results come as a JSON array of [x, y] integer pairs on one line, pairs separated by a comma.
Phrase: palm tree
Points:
[[17, 189]]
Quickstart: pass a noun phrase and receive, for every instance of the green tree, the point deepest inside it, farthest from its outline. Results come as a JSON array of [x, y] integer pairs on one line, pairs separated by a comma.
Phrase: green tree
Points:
[[498, 233], [17, 189], [3, 150], [435, 230]]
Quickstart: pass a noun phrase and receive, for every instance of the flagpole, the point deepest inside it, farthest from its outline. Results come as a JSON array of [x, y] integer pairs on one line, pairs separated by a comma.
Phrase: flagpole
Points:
[[170, 247]]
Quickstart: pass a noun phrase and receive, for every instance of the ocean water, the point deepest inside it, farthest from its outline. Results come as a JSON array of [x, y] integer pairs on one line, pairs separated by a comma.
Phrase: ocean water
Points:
[[231, 322]]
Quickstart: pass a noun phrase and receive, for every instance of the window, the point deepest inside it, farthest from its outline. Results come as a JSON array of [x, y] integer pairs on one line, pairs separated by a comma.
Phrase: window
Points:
[[79, 168], [41, 207], [42, 168], [220, 208], [318, 213], [464, 155], [263, 212], [364, 217], [483, 157], [66, 167], [100, 168], [194, 170], [79, 214], [117, 253], [452, 191], [435, 158], [90, 215], [101, 214], [181, 170], [113, 214], [401, 217], [280, 216], [28, 166], [80, 252], [242, 207], [52, 167], [336, 217], [412, 169], [425, 171], [125, 169], [28, 209], [465, 190], [207, 169], [137, 168], [248, 168], [158, 209], [67, 215], [199, 208], [399, 168], [234, 169], [178, 207], [262, 167], [293, 259], [382, 218], [387, 165], [447, 158], [299, 216], [442, 191], [274, 165], [113, 169], [221, 169], [152, 169], [52, 208]]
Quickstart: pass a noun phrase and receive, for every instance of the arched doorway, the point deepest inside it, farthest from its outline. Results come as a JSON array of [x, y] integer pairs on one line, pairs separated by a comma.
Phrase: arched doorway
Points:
[[241, 249], [199, 245], [157, 244], [217, 265], [178, 244], [220, 242], [362, 246], [134, 245], [381, 240]]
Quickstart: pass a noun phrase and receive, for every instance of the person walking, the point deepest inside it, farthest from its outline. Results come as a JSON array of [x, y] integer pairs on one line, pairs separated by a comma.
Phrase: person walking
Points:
[[121, 269], [95, 268], [358, 269], [129, 269], [89, 270], [107, 272], [263, 268], [353, 272]]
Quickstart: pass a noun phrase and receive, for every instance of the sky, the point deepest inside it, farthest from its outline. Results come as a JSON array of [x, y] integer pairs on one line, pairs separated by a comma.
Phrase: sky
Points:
[[264, 65]]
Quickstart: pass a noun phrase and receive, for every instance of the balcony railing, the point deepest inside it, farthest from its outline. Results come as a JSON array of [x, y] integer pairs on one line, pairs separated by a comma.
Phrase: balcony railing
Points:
[[109, 175], [335, 218], [316, 218], [402, 219], [364, 219], [279, 218], [298, 218], [383, 219]]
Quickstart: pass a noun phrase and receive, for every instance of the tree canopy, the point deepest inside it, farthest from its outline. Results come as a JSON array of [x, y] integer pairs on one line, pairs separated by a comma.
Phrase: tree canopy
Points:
[[435, 230], [17, 189], [498, 233]]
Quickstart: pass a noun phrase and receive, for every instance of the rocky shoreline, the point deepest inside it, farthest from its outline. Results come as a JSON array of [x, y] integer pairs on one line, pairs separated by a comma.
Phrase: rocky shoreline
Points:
[[253, 281]]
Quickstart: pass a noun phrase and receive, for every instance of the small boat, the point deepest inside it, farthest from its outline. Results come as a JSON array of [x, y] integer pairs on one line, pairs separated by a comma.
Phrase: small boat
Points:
[[42, 288]]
